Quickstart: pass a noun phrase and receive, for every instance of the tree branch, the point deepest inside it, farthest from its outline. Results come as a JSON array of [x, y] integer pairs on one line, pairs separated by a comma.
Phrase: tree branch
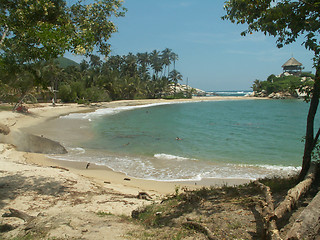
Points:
[[316, 138], [4, 35]]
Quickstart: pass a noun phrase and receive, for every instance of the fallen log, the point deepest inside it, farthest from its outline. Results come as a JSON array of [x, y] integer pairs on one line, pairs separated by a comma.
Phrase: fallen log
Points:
[[307, 225], [268, 213], [144, 195], [295, 193], [19, 214], [58, 167], [199, 228]]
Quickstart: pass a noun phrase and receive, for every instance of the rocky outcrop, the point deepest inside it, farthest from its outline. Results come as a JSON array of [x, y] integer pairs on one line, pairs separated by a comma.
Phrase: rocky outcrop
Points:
[[274, 95], [280, 95], [30, 143]]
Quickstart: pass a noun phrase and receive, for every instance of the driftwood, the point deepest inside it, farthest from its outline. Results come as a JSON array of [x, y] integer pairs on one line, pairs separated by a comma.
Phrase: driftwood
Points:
[[268, 213], [144, 195], [58, 167], [307, 225], [19, 214], [295, 193], [199, 228]]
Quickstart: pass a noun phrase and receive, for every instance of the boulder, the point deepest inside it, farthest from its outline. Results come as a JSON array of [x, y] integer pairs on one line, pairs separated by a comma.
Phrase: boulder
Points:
[[31, 143]]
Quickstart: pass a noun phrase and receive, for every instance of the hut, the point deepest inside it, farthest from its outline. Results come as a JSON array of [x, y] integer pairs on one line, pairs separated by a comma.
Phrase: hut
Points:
[[292, 66]]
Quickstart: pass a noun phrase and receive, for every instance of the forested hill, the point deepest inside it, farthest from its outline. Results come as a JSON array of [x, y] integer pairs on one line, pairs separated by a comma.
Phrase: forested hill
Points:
[[66, 62], [284, 86]]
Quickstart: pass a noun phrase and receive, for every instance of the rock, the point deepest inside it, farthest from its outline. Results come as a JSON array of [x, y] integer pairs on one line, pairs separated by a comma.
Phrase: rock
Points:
[[4, 129], [38, 144], [30, 143]]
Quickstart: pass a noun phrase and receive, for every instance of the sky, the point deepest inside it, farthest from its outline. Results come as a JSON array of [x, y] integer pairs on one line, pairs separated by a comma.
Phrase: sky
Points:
[[213, 56]]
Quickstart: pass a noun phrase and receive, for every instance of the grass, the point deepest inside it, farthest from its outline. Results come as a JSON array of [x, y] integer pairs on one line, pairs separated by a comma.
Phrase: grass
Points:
[[103, 214], [279, 185], [5, 107]]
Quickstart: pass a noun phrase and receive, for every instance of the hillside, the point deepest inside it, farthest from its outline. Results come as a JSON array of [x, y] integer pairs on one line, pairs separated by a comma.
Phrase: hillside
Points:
[[283, 86], [66, 62]]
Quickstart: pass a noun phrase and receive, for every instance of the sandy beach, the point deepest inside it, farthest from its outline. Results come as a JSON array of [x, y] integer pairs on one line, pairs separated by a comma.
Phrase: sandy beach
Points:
[[67, 191]]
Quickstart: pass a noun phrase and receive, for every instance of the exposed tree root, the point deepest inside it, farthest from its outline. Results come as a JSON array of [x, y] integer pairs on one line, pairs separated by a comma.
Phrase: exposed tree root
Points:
[[19, 214], [268, 213], [295, 193], [307, 225], [199, 228]]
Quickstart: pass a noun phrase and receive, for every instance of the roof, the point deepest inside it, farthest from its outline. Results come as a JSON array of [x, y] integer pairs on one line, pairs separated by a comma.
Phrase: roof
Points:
[[292, 62]]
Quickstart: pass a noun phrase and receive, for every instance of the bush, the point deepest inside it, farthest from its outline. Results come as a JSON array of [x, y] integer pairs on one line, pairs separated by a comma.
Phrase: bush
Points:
[[94, 94], [66, 94]]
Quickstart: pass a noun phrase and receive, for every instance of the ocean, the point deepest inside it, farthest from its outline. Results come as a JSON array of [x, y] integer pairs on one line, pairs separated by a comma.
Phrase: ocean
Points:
[[246, 139]]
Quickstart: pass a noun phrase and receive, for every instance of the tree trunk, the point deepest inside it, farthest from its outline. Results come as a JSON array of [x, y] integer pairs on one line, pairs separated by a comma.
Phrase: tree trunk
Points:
[[307, 225], [309, 141], [295, 193], [4, 35]]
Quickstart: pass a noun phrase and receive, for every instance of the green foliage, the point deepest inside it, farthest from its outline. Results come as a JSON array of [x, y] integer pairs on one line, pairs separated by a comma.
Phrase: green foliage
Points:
[[280, 185], [283, 19], [32, 31], [66, 94], [281, 84], [94, 94], [103, 214], [44, 29]]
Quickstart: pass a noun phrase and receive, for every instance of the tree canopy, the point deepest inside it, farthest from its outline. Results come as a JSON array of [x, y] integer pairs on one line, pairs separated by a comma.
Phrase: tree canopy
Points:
[[284, 19], [287, 21], [44, 29]]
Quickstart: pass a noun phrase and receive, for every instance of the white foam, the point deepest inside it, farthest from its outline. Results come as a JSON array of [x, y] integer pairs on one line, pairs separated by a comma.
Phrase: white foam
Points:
[[78, 150], [170, 157], [110, 111]]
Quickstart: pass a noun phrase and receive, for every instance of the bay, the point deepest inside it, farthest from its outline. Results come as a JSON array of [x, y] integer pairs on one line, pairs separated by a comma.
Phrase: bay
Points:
[[219, 139]]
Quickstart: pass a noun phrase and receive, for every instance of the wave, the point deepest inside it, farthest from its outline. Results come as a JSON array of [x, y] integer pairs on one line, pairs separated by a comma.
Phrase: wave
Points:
[[110, 111], [171, 157]]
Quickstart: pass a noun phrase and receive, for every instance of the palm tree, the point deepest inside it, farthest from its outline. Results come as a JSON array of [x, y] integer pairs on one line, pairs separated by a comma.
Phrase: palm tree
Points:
[[166, 58], [174, 57], [130, 67], [175, 76], [144, 61], [115, 62], [156, 62]]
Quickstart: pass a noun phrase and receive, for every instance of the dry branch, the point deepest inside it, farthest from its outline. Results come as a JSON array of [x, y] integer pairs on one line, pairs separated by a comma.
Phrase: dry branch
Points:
[[200, 228], [295, 193], [19, 214], [307, 225]]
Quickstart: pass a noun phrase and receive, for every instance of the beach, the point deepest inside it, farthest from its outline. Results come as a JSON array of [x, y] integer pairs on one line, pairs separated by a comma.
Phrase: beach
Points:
[[36, 184]]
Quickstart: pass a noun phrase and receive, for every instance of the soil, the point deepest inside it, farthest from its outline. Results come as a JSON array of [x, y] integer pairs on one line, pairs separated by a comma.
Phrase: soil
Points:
[[228, 213]]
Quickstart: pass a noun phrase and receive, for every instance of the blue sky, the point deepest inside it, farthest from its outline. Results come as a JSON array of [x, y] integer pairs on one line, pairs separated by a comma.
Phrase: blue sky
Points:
[[212, 53]]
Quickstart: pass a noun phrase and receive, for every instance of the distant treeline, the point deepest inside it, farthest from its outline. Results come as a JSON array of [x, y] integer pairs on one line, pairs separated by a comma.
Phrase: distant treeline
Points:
[[144, 75]]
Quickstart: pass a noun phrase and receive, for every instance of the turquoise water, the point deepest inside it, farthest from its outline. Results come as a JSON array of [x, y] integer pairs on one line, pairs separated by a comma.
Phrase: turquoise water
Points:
[[249, 132], [219, 139]]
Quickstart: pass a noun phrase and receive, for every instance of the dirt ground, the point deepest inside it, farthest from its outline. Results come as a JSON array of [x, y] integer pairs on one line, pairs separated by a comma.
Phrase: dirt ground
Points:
[[66, 210]]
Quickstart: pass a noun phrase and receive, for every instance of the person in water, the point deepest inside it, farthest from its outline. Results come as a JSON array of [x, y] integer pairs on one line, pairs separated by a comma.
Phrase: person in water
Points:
[[178, 139]]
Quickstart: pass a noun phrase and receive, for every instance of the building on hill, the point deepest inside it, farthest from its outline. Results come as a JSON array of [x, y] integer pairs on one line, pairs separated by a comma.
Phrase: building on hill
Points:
[[292, 67]]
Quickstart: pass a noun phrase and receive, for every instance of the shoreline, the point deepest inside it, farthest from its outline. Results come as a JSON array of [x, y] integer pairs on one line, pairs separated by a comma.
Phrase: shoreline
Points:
[[102, 174]]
